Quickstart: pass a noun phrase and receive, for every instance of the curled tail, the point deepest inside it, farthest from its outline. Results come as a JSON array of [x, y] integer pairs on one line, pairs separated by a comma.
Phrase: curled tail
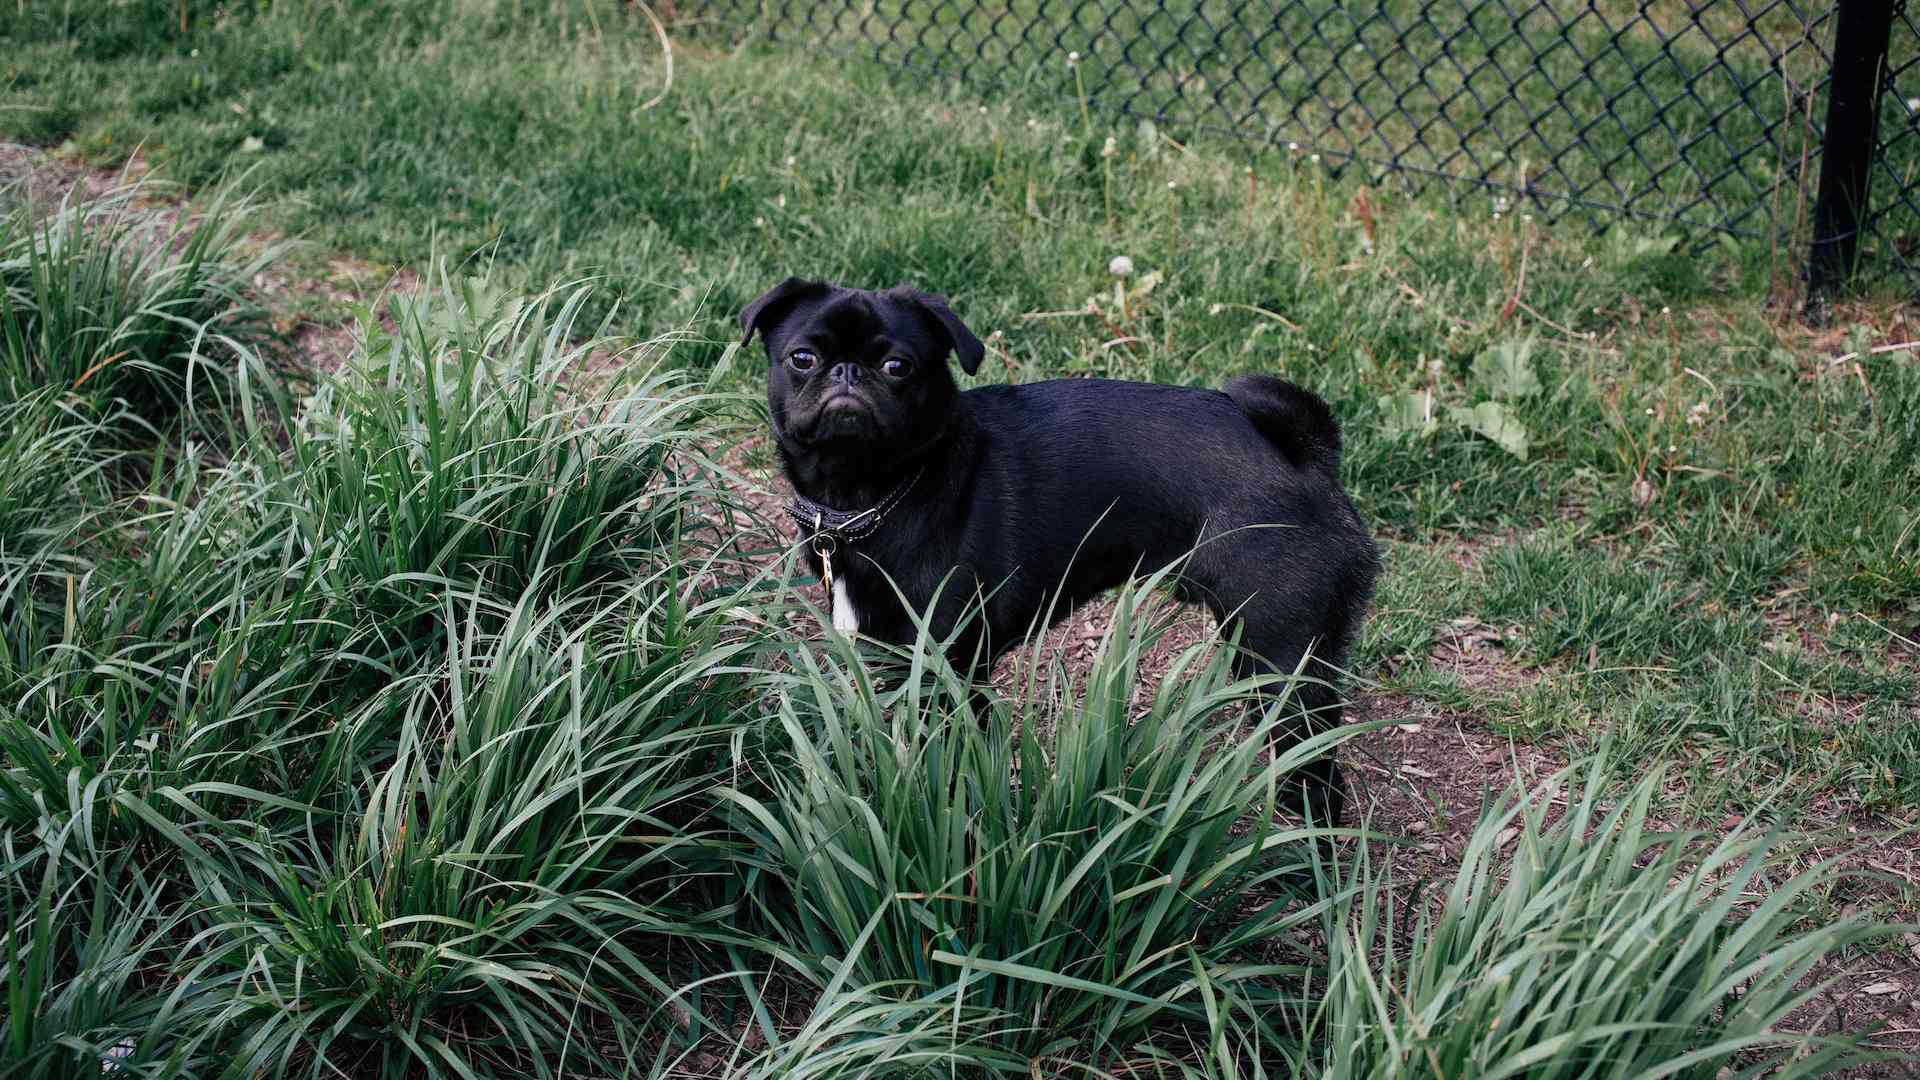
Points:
[[1294, 420]]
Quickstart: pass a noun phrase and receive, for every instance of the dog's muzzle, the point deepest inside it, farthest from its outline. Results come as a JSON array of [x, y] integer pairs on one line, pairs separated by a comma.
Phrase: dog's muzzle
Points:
[[845, 414]]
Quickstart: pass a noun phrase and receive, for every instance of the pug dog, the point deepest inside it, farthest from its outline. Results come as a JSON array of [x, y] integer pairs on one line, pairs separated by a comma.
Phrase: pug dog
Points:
[[1021, 502]]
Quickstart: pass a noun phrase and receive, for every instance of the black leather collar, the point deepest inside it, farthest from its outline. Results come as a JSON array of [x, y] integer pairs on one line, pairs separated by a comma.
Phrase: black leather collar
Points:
[[847, 526]]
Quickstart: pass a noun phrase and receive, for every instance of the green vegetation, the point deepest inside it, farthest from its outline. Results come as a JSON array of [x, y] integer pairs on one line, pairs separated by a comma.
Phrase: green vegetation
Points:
[[1589, 952], [443, 714]]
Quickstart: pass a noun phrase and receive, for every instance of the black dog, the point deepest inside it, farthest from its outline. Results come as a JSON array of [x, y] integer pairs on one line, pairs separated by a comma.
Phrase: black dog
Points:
[[1053, 492]]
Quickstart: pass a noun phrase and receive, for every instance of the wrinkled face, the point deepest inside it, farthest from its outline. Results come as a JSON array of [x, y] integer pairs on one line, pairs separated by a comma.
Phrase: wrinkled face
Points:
[[850, 370]]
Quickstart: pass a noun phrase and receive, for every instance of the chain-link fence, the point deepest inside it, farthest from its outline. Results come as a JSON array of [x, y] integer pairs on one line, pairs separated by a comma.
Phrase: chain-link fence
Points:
[[1707, 113]]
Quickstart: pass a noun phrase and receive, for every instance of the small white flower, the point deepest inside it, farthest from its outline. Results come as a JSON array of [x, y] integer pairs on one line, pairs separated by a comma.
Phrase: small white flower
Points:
[[1666, 311], [1913, 103], [1073, 58], [792, 161], [781, 201], [1216, 309], [1170, 185], [1672, 449], [759, 223], [1293, 147], [1111, 148], [1120, 266], [1649, 411], [194, 53], [1032, 123], [1314, 159], [983, 110]]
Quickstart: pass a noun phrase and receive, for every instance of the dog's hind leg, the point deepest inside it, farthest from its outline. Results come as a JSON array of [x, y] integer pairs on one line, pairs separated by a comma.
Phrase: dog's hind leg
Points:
[[1274, 642]]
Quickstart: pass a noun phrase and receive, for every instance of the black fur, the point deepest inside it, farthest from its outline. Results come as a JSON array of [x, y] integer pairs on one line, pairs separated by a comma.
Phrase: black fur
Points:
[[1077, 482]]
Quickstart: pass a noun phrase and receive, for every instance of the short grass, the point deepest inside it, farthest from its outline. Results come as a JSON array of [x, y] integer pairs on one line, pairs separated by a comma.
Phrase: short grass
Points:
[[342, 681]]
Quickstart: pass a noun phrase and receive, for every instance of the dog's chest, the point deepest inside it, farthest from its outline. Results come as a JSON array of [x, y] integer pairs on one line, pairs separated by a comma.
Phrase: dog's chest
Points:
[[846, 618], [861, 599]]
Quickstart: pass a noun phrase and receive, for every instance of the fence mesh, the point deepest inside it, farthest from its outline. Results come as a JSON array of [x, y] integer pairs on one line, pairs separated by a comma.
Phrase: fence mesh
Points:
[[1707, 113]]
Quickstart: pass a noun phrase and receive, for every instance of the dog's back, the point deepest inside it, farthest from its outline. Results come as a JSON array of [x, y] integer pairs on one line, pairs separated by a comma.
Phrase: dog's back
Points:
[[1244, 485]]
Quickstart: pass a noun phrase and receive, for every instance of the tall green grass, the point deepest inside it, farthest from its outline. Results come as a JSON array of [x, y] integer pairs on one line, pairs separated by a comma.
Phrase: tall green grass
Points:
[[1064, 861], [382, 749], [113, 299], [1583, 941], [509, 877], [491, 443]]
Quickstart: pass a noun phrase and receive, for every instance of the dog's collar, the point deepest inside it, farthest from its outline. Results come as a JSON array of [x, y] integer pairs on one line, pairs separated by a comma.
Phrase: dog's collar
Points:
[[847, 526]]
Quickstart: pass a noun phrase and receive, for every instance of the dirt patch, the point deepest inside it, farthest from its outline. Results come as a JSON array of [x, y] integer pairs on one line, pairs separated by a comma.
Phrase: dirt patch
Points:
[[310, 302], [1475, 654], [1425, 778], [321, 344], [46, 179]]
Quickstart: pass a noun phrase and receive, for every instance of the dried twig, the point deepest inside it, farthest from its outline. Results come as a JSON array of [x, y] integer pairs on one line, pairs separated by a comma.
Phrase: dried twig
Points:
[[666, 52], [1520, 282]]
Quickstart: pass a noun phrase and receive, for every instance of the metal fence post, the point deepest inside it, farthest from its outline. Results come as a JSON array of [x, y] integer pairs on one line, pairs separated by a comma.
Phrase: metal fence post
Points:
[[1846, 153]]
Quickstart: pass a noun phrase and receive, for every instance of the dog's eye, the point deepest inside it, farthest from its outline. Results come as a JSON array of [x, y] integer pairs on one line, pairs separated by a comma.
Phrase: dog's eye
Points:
[[802, 360], [898, 367]]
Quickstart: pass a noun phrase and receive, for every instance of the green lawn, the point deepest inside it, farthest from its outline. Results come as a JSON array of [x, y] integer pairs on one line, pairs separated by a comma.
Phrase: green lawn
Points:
[[423, 719]]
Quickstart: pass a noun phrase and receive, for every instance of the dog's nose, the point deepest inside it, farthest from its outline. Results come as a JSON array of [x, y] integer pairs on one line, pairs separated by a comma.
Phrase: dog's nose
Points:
[[848, 373]]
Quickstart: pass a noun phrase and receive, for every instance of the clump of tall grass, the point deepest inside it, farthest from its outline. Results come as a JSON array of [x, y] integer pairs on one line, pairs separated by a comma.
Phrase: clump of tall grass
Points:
[[465, 451], [111, 299], [55, 464], [457, 843], [1597, 948], [76, 974], [509, 879], [1067, 870]]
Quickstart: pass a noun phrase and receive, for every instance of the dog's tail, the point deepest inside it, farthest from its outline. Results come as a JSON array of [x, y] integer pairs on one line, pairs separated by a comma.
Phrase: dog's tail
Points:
[[1293, 419]]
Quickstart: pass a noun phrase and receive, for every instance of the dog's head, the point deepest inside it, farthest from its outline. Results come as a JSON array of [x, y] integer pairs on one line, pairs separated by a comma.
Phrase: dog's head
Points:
[[858, 370]]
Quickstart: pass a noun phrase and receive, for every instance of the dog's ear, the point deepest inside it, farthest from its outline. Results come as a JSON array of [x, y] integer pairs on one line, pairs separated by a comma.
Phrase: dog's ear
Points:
[[962, 340], [773, 304]]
